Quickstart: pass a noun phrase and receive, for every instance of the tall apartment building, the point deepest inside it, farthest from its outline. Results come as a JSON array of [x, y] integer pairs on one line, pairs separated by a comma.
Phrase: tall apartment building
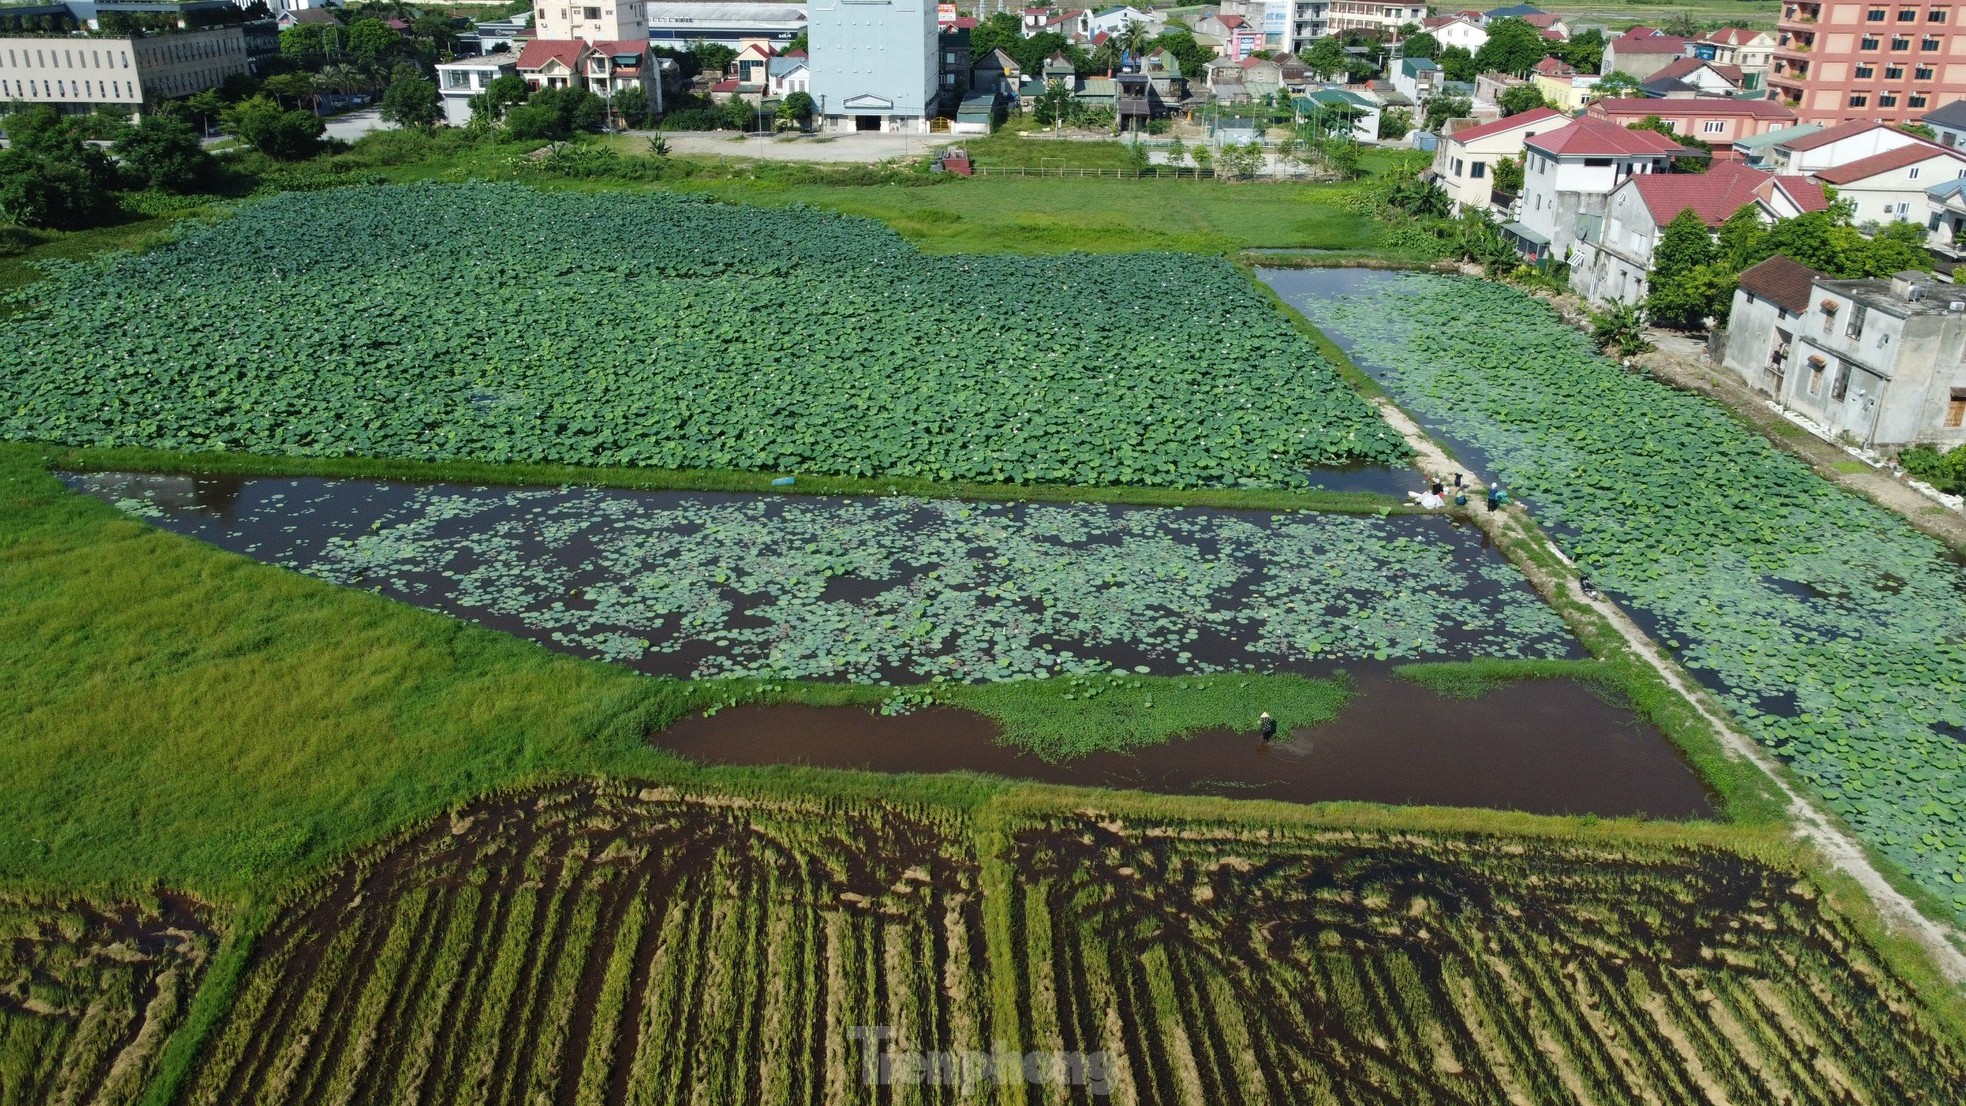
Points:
[[1304, 22], [873, 63], [76, 73], [1375, 15], [1889, 62], [595, 21]]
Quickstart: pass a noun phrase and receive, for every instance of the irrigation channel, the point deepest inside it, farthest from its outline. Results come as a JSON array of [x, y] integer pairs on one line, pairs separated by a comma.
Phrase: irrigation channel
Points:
[[689, 584]]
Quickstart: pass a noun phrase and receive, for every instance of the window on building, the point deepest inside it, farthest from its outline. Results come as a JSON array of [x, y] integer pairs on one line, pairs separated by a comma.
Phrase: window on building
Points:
[[1887, 99], [1929, 44], [1815, 378], [1956, 408], [1457, 166], [1913, 172], [1866, 72], [1859, 99], [1479, 170], [1907, 15], [1894, 72], [1855, 328], [1870, 42], [1923, 72], [1917, 100], [1875, 15], [1713, 126], [1842, 386], [590, 13]]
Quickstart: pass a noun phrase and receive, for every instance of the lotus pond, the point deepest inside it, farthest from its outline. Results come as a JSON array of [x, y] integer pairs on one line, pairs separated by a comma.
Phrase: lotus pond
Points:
[[882, 589], [1834, 630], [670, 331]]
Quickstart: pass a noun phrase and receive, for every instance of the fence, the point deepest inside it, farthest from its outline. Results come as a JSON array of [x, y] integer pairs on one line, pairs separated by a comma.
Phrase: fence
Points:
[[1062, 171]]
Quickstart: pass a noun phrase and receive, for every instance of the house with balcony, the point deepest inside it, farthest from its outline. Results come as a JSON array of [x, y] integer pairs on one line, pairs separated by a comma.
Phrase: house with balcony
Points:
[[1239, 37], [1612, 259], [1892, 187], [1877, 62], [1828, 147], [1641, 52], [1464, 159], [1751, 51], [1418, 79], [1880, 361], [1569, 173], [461, 80], [1715, 121]]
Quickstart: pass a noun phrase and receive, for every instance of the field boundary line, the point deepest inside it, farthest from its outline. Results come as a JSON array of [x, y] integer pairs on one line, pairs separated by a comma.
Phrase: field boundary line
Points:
[[1512, 527]]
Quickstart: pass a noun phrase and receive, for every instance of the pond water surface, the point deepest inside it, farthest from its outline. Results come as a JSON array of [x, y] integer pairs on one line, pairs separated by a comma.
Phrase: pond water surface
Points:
[[1548, 747], [701, 584]]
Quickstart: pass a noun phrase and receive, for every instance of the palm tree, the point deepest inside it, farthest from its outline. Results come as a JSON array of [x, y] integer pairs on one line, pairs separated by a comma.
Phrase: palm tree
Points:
[[1133, 38]]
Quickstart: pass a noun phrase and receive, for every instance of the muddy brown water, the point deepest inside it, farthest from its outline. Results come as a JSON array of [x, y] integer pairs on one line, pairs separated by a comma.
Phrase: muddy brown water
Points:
[[1546, 747]]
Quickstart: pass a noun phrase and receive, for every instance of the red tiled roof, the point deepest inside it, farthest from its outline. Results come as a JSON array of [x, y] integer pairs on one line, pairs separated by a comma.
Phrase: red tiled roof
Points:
[[794, 54], [728, 84], [1514, 122], [1712, 195], [1831, 134], [622, 46], [1807, 194], [1733, 36], [1553, 35], [1541, 21], [1887, 161], [1554, 67], [1687, 66], [1229, 21], [1712, 107], [1782, 282], [539, 51], [1647, 44], [1593, 137]]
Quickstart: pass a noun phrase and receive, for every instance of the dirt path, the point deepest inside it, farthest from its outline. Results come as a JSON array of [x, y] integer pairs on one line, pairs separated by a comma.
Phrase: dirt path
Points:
[[1512, 527]]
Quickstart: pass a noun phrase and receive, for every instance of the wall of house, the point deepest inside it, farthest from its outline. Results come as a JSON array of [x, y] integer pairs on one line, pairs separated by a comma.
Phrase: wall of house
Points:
[[1754, 327], [881, 49], [1635, 64], [593, 20], [1899, 195], [1833, 61], [1877, 140], [1616, 266], [81, 72]]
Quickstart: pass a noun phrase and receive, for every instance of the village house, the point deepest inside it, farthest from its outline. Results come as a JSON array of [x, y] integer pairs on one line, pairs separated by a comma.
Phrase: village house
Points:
[[1717, 122], [1694, 77], [603, 68], [1641, 52], [1418, 79], [1568, 174], [458, 82], [1612, 258], [1881, 362], [1561, 85], [1755, 150], [1753, 52], [1239, 37], [1464, 160], [1948, 123], [1892, 186], [786, 74], [1837, 145], [1456, 30]]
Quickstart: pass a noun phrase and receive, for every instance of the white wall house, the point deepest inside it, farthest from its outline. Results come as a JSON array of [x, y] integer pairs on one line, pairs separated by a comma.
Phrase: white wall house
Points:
[[1112, 21], [1877, 360], [1568, 175], [459, 81], [873, 63], [1948, 123], [77, 73], [1891, 187], [594, 20], [1456, 30], [1833, 146], [1464, 161], [1612, 260]]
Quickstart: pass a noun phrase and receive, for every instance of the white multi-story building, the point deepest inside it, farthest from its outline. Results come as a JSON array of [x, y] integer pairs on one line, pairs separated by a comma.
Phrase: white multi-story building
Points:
[[77, 73], [459, 81], [1568, 173], [594, 20], [1375, 15], [1464, 162], [1305, 23], [873, 63]]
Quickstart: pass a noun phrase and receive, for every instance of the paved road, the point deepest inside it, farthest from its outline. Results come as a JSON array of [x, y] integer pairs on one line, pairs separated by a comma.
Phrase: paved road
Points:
[[355, 124]]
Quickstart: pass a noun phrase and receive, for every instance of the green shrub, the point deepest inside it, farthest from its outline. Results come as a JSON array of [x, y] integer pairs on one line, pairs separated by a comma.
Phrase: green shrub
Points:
[[1944, 471]]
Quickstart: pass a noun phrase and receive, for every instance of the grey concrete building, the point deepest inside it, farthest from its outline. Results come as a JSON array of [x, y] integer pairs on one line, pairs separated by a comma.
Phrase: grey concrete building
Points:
[[873, 63], [78, 73], [1878, 362]]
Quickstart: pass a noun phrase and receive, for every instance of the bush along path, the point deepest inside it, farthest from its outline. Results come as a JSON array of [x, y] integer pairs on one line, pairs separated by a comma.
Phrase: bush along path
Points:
[[1751, 779]]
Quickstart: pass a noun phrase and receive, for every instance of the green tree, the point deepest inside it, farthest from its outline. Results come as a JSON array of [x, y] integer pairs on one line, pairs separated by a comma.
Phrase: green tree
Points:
[[1615, 85], [1419, 46], [1676, 300], [1457, 63], [797, 109], [1895, 248], [1521, 98], [1053, 104], [292, 89], [1689, 164], [203, 108], [1204, 158], [1619, 329], [504, 93], [372, 41], [165, 154], [1442, 108], [1508, 175], [1193, 56], [434, 29], [1742, 239], [1325, 58], [1584, 52], [1001, 31], [712, 57], [1513, 47], [1341, 156], [312, 45], [1394, 123], [412, 101], [48, 176], [275, 131], [555, 114], [799, 42]]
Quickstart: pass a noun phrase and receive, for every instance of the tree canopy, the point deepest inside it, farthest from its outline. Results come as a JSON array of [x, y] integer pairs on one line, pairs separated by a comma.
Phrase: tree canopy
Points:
[[1513, 47]]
